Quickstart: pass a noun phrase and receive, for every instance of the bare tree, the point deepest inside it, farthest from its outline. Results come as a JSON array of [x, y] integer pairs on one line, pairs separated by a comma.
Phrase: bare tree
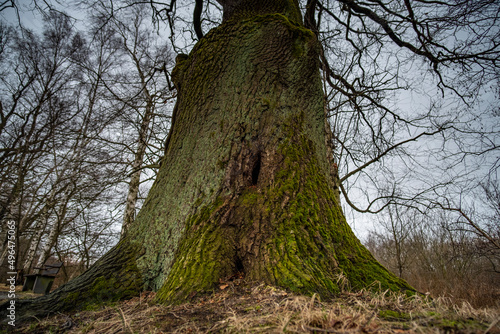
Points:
[[33, 91], [405, 91], [145, 92], [443, 260], [51, 136]]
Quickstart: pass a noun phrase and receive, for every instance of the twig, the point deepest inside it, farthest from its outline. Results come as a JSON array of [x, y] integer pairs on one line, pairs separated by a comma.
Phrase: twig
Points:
[[374, 313], [315, 329], [493, 324], [126, 326]]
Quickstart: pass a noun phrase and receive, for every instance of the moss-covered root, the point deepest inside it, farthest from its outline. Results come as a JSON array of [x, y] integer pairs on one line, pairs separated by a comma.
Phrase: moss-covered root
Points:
[[312, 247], [206, 254], [114, 277]]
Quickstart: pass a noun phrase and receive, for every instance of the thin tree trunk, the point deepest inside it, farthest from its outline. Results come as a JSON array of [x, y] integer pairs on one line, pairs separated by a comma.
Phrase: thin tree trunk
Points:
[[37, 236], [47, 247], [142, 143], [7, 208], [35, 241], [20, 229], [5, 249], [135, 178]]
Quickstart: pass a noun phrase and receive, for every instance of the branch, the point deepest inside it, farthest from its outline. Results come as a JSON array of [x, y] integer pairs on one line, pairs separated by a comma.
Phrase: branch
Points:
[[470, 222], [309, 20], [378, 157], [197, 18], [7, 4]]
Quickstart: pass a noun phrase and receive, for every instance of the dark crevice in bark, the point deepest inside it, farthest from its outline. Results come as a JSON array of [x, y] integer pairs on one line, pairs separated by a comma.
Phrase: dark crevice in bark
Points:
[[256, 170], [239, 268]]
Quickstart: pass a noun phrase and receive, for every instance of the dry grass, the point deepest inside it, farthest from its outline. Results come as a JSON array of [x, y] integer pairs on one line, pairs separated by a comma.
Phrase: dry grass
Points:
[[4, 290], [262, 309]]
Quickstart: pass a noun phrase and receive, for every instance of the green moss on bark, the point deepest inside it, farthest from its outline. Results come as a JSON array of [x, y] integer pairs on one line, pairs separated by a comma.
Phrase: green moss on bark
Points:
[[273, 213], [221, 86], [201, 259], [314, 211], [305, 244], [112, 278]]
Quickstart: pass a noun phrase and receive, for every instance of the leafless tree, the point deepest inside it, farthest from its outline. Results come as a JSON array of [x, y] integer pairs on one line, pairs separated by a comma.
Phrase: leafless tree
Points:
[[110, 91], [411, 92], [49, 155], [33, 109], [144, 92], [409, 88], [443, 259]]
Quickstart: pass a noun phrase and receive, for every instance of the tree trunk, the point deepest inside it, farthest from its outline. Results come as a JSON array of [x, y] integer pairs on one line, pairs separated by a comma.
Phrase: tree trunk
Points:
[[40, 226], [55, 229], [142, 143], [251, 118], [245, 185]]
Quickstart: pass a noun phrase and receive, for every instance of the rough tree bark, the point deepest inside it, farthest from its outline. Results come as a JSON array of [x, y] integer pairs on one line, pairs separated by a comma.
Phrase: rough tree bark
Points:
[[245, 185]]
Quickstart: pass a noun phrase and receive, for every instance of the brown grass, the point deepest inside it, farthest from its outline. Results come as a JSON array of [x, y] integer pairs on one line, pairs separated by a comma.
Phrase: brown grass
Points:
[[247, 308], [4, 290]]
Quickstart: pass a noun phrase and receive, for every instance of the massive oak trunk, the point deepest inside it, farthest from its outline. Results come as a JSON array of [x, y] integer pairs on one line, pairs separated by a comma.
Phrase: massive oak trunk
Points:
[[245, 184]]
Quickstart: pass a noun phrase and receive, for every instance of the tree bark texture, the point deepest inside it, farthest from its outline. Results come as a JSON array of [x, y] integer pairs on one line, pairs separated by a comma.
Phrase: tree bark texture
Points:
[[250, 111], [245, 185], [112, 278]]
